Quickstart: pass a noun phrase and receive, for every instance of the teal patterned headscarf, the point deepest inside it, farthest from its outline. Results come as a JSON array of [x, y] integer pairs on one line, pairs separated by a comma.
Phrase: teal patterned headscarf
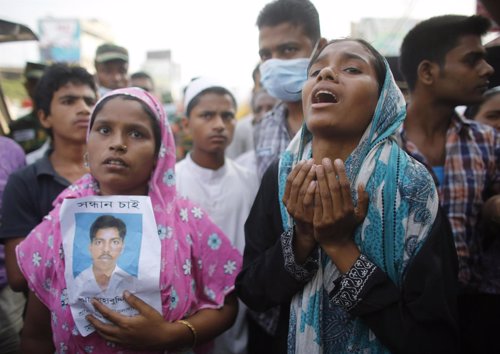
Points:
[[402, 208]]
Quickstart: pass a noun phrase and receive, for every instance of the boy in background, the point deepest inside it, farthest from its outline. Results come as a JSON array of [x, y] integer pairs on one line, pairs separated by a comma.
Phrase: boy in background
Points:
[[221, 187], [64, 98]]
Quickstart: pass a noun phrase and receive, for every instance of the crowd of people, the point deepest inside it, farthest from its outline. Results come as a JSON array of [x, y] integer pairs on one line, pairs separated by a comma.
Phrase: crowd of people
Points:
[[339, 216]]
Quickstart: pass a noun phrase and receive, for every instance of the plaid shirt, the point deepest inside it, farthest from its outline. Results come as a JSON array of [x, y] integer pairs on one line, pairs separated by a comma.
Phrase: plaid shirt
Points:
[[271, 137], [471, 175]]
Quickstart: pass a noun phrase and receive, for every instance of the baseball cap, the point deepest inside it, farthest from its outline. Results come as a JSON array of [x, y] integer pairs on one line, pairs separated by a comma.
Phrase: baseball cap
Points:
[[108, 51]]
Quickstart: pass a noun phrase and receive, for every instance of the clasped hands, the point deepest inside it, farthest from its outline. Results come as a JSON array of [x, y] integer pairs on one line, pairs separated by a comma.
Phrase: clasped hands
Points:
[[319, 199]]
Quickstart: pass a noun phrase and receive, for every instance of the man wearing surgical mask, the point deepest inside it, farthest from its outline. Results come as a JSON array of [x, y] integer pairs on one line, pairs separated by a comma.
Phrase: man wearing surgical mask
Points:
[[289, 32]]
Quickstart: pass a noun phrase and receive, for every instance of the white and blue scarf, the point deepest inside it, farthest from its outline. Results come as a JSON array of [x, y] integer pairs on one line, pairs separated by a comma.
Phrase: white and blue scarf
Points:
[[402, 208]]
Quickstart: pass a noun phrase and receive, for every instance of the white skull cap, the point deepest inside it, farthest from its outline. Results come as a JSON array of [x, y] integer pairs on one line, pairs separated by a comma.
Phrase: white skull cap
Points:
[[199, 85]]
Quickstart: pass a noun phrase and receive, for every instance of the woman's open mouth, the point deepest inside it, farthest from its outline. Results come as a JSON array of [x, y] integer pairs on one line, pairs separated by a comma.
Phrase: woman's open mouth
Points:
[[324, 96]]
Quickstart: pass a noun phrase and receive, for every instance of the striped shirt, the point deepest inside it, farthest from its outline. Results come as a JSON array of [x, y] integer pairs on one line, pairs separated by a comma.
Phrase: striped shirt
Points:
[[471, 175]]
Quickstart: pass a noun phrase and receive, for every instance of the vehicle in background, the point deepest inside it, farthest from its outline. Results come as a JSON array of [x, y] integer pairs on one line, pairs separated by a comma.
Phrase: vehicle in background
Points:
[[11, 32]]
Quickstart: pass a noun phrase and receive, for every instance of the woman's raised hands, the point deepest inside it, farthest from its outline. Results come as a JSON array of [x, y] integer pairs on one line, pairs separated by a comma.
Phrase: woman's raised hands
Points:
[[319, 199], [335, 217]]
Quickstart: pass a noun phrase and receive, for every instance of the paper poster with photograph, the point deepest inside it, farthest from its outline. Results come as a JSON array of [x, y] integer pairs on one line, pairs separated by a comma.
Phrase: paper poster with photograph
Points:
[[111, 244]]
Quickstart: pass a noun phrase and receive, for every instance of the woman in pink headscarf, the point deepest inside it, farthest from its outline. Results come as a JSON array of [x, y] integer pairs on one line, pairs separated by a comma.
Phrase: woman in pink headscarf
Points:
[[131, 152]]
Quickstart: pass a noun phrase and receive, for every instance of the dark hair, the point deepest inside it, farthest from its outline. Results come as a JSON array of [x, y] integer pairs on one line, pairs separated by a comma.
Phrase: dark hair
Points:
[[297, 12], [256, 74], [255, 95], [378, 63], [493, 58], [105, 222], [151, 115], [141, 75], [217, 90], [56, 76], [393, 62], [433, 38], [473, 110]]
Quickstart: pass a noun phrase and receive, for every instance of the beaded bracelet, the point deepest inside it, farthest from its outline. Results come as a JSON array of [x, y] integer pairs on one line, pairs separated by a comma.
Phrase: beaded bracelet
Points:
[[191, 328]]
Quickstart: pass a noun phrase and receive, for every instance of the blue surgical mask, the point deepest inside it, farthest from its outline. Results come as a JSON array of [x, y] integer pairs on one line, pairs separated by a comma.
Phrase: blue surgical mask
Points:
[[284, 78]]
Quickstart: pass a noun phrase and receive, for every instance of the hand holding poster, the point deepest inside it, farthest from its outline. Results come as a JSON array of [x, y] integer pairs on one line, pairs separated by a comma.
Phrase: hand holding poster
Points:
[[111, 245]]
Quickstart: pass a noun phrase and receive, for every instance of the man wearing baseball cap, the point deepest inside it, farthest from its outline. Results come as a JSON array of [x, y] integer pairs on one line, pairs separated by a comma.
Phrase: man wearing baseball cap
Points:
[[111, 65]]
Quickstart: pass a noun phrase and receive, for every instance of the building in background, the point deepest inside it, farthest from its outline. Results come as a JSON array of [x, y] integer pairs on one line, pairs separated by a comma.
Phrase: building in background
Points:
[[72, 40], [385, 34], [165, 73]]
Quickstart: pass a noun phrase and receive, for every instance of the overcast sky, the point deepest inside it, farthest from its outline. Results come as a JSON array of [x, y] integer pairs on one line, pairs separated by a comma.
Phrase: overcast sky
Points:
[[214, 38]]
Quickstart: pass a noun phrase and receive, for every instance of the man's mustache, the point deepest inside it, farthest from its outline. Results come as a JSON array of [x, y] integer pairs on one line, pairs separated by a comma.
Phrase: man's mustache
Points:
[[105, 256]]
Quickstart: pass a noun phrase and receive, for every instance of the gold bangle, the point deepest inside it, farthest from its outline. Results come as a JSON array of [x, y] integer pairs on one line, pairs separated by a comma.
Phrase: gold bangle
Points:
[[191, 328]]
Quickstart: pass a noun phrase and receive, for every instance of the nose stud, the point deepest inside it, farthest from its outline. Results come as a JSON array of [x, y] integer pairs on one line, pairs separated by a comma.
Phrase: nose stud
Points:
[[121, 147]]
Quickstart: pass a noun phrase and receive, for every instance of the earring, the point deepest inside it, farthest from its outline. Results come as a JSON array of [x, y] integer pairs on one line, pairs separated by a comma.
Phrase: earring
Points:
[[86, 160]]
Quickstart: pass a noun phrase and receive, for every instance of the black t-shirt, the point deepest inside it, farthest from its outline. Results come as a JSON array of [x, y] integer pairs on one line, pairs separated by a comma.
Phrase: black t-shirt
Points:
[[28, 197]]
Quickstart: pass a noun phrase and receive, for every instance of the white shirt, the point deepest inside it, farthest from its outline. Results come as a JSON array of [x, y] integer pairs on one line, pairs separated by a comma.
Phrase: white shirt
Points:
[[119, 281], [227, 195], [84, 288], [248, 160]]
